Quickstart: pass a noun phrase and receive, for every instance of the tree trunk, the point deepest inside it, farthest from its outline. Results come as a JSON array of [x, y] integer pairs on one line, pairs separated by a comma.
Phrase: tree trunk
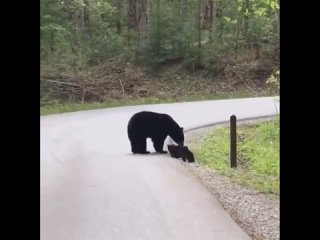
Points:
[[184, 9], [118, 4], [142, 17], [199, 31], [277, 13], [86, 19], [183, 13], [210, 19], [179, 23], [246, 21], [219, 20], [72, 23], [157, 50], [68, 8], [132, 17], [52, 41]]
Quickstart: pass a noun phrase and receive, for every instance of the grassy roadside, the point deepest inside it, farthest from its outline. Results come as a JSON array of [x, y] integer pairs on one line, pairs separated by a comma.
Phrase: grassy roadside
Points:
[[53, 108], [258, 155]]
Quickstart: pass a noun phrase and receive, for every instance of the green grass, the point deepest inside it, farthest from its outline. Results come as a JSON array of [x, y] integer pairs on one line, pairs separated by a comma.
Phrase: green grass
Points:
[[258, 155], [53, 108]]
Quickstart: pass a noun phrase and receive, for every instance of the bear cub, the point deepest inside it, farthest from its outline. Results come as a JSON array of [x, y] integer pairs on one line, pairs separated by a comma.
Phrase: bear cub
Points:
[[181, 152]]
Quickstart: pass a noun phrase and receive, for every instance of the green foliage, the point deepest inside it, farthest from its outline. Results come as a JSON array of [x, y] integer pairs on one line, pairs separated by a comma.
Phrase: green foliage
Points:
[[68, 38], [64, 39], [274, 80], [168, 38], [258, 155]]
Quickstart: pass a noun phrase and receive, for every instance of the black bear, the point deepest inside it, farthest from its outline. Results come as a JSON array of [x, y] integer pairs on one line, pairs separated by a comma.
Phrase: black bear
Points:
[[156, 126], [174, 151], [181, 152]]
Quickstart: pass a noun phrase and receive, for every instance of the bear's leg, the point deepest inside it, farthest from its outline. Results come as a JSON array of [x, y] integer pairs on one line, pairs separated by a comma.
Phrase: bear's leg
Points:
[[158, 144], [139, 146]]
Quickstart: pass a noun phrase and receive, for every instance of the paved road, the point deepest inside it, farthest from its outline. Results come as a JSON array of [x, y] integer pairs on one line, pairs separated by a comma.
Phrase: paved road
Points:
[[93, 188]]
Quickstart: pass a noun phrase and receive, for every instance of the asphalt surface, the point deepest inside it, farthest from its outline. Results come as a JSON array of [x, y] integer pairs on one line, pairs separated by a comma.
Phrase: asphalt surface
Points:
[[94, 188]]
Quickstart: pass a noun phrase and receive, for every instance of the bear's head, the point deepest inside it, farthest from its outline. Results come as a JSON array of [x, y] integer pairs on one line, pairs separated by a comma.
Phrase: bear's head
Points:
[[178, 136]]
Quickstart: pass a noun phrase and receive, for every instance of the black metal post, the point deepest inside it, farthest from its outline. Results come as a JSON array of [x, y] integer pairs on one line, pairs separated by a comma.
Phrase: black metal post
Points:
[[233, 141]]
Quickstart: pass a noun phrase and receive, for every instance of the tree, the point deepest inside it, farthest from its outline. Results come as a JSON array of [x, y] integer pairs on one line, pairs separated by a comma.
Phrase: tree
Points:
[[210, 19], [199, 31], [118, 6], [158, 30], [132, 14]]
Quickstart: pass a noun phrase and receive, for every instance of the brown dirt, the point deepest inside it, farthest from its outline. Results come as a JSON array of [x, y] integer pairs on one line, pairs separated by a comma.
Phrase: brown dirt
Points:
[[114, 79]]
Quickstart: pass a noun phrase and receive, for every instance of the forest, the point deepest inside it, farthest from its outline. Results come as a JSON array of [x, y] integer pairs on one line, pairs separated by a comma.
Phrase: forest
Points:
[[168, 50]]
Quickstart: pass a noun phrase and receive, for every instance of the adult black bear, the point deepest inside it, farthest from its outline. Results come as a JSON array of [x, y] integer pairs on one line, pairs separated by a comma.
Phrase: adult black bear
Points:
[[156, 126]]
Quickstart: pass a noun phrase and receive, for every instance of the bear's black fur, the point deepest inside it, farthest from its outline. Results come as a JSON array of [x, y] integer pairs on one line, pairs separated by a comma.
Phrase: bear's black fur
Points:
[[181, 152], [174, 151], [156, 126]]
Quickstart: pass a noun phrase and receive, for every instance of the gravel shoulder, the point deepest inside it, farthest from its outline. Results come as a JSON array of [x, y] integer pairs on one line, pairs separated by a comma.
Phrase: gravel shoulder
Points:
[[256, 213]]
